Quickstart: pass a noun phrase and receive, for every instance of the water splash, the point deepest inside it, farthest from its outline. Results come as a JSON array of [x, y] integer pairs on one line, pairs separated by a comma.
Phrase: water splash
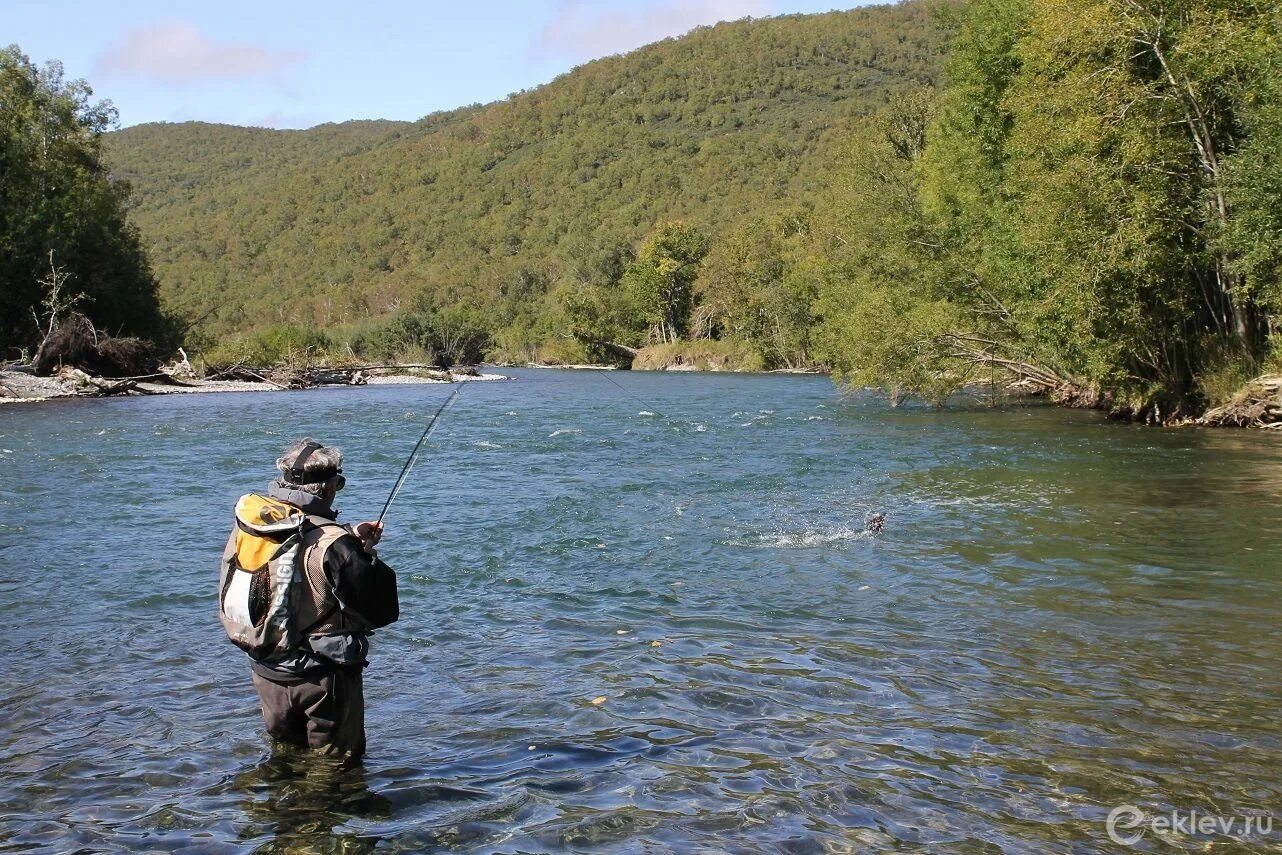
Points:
[[803, 539]]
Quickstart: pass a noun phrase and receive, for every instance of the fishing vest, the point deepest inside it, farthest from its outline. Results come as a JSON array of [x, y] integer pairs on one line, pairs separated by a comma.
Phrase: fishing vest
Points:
[[273, 589]]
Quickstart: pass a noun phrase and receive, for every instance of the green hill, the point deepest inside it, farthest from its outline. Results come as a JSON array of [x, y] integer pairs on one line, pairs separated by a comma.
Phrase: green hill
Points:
[[488, 206]]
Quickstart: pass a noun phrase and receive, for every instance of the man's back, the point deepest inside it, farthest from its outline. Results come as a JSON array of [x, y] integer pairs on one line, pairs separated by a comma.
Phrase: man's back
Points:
[[332, 594]]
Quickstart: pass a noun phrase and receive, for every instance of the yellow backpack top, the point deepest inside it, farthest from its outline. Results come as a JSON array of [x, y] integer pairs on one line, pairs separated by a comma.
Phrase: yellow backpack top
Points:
[[261, 525]]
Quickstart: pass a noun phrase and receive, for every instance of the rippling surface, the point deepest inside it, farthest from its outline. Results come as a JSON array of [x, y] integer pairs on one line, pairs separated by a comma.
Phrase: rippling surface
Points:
[[1062, 615]]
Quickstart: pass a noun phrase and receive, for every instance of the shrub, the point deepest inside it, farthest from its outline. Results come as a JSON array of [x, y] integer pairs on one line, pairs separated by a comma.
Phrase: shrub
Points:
[[443, 337], [702, 354], [287, 344]]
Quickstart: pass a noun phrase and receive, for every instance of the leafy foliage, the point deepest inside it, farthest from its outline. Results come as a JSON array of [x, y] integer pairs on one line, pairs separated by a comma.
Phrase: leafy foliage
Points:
[[1091, 207], [441, 337], [284, 343], [661, 281], [64, 238], [759, 285]]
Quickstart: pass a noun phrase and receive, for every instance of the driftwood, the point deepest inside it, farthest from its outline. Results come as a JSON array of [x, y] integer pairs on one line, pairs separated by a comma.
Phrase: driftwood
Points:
[[307, 377], [1258, 404], [163, 378], [70, 381], [182, 368], [436, 372], [98, 387], [121, 387]]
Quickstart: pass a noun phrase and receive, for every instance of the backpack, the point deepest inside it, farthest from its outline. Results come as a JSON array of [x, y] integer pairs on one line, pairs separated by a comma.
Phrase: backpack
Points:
[[261, 587]]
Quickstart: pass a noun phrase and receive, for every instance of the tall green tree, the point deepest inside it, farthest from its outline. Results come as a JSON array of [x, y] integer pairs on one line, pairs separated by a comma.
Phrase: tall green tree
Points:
[[62, 217], [1090, 210], [661, 280], [756, 285], [889, 301], [1252, 238], [1124, 115]]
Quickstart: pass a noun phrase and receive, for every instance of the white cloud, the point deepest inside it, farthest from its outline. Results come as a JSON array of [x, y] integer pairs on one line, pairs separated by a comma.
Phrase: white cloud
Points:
[[179, 54], [280, 120], [583, 31]]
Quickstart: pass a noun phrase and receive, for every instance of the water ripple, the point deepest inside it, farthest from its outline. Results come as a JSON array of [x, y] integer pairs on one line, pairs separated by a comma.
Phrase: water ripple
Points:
[[650, 618]]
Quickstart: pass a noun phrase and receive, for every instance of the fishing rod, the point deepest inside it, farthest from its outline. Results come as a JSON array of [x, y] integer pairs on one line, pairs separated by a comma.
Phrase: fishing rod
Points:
[[409, 464]]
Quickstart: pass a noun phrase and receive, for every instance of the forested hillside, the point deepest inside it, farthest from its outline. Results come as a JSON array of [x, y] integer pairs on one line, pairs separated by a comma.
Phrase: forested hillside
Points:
[[1082, 197], [524, 209]]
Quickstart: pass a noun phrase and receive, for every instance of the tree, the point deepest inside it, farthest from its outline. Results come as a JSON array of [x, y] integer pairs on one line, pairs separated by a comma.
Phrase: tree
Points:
[[755, 285], [451, 336], [460, 335], [1252, 238], [1090, 211], [662, 277], [890, 317], [57, 197]]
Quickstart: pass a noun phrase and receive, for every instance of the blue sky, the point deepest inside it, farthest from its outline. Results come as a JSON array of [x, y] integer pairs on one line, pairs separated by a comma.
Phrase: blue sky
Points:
[[296, 64]]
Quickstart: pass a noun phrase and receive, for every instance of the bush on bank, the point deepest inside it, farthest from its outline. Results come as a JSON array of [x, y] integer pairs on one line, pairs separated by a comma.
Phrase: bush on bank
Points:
[[701, 355]]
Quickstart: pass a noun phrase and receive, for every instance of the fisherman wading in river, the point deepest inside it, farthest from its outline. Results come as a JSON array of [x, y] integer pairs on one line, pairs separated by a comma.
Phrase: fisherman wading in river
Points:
[[300, 593]]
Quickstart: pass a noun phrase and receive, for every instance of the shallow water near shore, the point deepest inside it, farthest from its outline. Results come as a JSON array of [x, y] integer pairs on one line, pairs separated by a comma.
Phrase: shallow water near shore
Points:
[[1062, 615]]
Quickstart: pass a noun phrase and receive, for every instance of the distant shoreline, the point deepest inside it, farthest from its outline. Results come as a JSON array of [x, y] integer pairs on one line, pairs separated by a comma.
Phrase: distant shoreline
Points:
[[18, 387], [22, 387], [674, 369], [1258, 405]]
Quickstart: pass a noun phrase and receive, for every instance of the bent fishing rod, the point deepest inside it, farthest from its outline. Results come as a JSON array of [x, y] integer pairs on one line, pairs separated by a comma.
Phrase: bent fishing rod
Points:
[[418, 446]]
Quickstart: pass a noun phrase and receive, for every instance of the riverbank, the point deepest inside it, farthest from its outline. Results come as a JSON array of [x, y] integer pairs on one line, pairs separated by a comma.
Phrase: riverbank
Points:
[[22, 387], [1258, 404], [678, 367], [700, 355]]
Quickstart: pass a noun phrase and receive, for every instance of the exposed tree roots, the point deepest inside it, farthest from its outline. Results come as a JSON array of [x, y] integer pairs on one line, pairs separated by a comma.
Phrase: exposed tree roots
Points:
[[76, 344], [1257, 404]]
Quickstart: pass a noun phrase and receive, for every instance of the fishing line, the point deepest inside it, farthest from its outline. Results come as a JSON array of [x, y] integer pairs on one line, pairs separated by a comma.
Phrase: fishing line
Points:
[[409, 464], [605, 375]]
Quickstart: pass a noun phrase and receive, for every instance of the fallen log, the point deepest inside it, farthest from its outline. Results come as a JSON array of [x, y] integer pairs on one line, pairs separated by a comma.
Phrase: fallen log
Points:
[[162, 378], [122, 387], [435, 372], [86, 385], [296, 377]]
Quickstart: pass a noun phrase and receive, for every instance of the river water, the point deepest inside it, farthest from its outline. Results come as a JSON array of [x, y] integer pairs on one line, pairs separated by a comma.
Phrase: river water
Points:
[[1062, 615]]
